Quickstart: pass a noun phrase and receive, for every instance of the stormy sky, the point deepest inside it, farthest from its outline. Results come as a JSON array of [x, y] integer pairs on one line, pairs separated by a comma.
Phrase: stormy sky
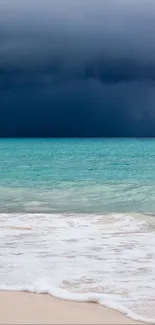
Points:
[[83, 68]]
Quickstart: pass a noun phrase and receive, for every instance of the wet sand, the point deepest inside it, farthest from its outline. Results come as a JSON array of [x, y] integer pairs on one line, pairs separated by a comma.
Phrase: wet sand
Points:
[[27, 308]]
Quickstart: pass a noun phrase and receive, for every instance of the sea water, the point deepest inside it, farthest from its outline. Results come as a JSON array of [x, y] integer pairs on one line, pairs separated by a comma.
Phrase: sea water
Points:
[[77, 220]]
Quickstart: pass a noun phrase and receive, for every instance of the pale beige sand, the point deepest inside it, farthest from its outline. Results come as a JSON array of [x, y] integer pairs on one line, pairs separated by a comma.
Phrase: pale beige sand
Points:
[[27, 308]]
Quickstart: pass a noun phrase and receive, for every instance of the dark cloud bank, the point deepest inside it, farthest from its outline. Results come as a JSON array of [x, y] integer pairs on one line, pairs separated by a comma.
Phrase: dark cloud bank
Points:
[[77, 68]]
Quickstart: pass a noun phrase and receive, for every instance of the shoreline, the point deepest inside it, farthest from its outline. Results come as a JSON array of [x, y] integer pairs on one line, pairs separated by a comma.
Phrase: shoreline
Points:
[[31, 308]]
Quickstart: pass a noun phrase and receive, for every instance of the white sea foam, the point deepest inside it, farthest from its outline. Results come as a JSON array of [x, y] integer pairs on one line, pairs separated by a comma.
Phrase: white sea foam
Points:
[[107, 259], [41, 287]]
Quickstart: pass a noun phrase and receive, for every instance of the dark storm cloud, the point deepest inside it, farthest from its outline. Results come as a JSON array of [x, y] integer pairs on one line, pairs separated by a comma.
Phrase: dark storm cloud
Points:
[[80, 68]]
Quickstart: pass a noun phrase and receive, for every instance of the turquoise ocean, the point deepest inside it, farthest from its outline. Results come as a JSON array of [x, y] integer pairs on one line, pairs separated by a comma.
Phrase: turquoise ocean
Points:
[[77, 220]]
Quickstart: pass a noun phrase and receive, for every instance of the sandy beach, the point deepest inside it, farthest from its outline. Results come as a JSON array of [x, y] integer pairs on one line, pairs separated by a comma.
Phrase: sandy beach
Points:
[[27, 308]]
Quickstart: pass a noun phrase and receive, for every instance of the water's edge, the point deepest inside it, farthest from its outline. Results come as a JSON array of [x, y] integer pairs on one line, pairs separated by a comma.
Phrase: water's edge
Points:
[[61, 294]]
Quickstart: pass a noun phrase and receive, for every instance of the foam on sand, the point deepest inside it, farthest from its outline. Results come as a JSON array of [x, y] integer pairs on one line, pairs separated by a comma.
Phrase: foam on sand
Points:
[[41, 287], [106, 259], [29, 308]]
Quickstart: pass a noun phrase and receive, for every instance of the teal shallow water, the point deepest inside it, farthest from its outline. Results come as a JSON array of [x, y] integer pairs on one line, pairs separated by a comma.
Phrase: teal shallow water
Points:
[[87, 176]]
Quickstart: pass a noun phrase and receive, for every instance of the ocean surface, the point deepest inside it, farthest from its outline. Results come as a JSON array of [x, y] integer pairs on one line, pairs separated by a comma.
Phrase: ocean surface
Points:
[[77, 220]]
